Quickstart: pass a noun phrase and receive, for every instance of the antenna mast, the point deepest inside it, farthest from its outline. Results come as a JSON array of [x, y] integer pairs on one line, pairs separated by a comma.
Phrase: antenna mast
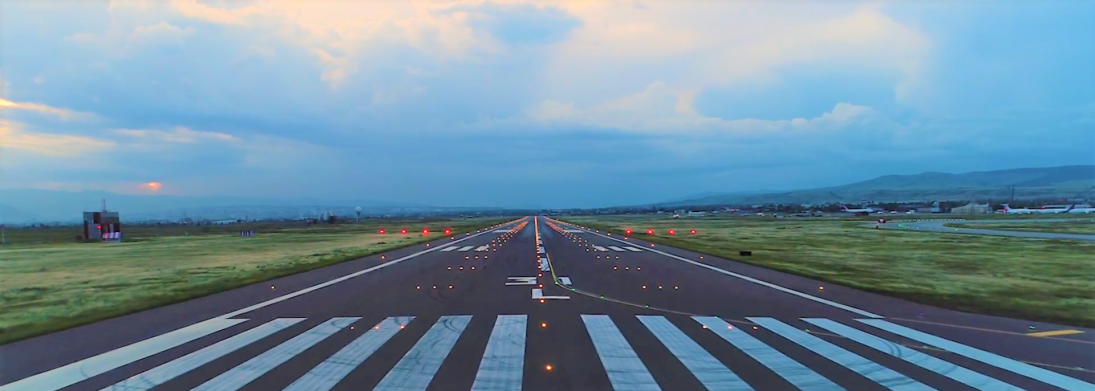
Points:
[[104, 204]]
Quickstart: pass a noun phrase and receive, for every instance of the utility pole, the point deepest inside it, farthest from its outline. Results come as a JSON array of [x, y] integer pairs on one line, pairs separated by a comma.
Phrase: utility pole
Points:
[[2, 226]]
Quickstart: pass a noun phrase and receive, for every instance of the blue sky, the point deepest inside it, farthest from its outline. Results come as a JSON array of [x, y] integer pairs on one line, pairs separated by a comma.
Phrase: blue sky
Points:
[[560, 103]]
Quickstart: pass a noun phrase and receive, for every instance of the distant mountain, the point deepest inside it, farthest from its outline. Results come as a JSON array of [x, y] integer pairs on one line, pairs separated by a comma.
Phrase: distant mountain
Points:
[[37, 205], [1029, 183]]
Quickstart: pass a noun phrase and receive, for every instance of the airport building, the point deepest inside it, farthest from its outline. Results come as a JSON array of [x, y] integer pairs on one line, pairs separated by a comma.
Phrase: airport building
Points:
[[102, 227], [972, 208]]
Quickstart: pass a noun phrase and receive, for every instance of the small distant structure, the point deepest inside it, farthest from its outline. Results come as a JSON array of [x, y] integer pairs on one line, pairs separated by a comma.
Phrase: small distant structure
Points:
[[972, 208], [696, 214], [102, 226]]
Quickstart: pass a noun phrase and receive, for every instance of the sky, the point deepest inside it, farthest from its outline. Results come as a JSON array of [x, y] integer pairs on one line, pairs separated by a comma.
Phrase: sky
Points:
[[545, 104]]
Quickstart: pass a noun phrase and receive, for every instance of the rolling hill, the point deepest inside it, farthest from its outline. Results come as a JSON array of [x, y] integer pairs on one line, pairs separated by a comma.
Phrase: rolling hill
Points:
[[1029, 183]]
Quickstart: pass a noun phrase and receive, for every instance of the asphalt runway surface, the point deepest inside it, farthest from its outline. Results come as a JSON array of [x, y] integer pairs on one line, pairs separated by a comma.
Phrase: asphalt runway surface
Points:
[[940, 226], [485, 311]]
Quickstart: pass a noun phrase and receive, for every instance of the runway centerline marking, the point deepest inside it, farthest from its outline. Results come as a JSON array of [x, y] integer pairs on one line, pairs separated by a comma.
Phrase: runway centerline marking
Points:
[[755, 281]]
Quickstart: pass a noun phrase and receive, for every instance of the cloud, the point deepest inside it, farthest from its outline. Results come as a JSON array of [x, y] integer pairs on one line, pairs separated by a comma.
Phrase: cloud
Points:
[[605, 100], [179, 134], [43, 109], [13, 136]]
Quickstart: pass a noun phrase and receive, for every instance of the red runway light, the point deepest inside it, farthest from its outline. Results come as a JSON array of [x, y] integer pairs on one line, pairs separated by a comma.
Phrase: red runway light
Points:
[[448, 231], [425, 232], [693, 232], [628, 232], [649, 232], [403, 231], [672, 232], [381, 232]]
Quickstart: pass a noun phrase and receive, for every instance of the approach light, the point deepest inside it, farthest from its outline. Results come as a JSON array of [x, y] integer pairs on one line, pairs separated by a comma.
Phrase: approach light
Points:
[[403, 231], [448, 231], [693, 232], [425, 231], [628, 232], [649, 232], [381, 231], [672, 232]]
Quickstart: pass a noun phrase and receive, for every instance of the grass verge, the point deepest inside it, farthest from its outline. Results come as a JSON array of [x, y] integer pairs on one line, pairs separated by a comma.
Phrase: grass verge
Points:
[[1043, 280], [50, 286]]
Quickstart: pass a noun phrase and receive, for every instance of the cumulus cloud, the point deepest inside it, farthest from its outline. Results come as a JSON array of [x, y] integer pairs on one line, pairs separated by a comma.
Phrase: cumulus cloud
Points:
[[179, 134]]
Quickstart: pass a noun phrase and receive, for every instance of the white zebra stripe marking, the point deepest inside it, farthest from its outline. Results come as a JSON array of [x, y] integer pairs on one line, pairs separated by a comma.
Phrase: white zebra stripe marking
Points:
[[705, 367], [503, 364], [87, 368], [795, 373], [416, 369], [625, 370], [957, 373], [466, 248], [175, 368], [247, 372], [864, 367], [335, 368], [614, 248], [633, 249], [1039, 374], [450, 248]]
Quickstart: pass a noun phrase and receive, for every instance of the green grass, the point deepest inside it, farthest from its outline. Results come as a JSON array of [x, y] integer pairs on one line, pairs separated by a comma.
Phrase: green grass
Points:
[[1071, 227], [1043, 280], [51, 283]]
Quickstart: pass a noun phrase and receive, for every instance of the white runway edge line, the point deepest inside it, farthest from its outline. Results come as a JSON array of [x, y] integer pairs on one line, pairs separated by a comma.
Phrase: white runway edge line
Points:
[[67, 375], [1039, 374], [85, 369], [756, 281]]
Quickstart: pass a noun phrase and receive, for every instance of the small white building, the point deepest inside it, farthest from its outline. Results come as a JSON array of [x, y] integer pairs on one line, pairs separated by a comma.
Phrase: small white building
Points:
[[697, 214]]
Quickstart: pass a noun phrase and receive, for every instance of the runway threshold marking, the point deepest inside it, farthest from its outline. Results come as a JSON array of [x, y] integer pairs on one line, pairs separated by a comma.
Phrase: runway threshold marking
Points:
[[869, 369], [756, 281], [416, 369], [87, 368], [624, 368], [956, 373], [1055, 333], [1017, 367], [175, 368], [254, 368], [331, 371], [502, 367]]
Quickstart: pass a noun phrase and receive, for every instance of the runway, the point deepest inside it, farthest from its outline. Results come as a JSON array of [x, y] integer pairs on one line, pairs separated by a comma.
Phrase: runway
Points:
[[486, 311], [940, 226]]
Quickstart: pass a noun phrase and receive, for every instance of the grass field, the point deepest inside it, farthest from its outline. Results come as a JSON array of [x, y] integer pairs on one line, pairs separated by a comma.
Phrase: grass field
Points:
[[1085, 226], [50, 282], [1044, 280]]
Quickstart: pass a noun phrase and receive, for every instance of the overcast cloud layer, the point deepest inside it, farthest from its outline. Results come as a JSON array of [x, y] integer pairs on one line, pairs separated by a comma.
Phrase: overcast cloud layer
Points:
[[561, 103]]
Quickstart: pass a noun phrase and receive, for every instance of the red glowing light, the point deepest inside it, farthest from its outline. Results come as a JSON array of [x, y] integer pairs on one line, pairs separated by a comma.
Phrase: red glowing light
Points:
[[425, 231], [448, 231], [672, 232], [381, 231], [649, 232], [693, 232], [403, 231], [628, 232]]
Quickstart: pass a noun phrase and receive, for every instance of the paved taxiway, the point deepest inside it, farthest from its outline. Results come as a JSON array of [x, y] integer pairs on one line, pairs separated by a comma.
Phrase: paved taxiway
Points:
[[633, 317], [940, 226]]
